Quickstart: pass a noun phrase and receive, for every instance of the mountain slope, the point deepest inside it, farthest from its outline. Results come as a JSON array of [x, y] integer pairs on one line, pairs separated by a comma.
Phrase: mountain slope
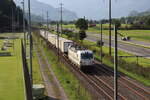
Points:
[[135, 13], [9, 13], [39, 9]]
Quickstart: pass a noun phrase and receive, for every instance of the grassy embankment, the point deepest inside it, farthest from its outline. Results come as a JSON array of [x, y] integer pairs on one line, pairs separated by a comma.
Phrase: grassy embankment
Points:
[[11, 78], [37, 78], [72, 86]]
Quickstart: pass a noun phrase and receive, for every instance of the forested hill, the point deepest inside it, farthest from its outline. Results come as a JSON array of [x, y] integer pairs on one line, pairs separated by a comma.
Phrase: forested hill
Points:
[[9, 13]]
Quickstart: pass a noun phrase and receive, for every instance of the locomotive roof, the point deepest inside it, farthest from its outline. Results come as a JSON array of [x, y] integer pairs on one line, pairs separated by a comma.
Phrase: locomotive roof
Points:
[[80, 50]]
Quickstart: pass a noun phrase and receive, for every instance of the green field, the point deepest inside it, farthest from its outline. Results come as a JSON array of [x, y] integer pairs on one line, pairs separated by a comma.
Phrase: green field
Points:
[[11, 73], [19, 35], [142, 35]]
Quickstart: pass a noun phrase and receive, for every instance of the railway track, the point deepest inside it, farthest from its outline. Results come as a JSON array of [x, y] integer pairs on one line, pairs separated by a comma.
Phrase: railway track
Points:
[[103, 85], [106, 87], [102, 92], [137, 92]]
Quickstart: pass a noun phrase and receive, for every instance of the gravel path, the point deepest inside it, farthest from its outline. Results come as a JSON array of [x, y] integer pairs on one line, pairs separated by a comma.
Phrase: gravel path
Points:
[[60, 95], [49, 89]]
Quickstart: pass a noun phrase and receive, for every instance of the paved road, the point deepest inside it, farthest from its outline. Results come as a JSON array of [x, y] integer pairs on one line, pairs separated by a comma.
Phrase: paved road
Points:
[[146, 44], [136, 50]]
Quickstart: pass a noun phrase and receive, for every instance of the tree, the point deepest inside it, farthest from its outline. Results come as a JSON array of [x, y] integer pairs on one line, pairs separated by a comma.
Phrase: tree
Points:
[[117, 22], [7, 9], [148, 21], [82, 24], [82, 35]]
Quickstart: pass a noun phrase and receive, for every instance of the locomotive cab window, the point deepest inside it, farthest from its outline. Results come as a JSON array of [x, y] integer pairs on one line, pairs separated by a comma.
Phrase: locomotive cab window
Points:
[[86, 55]]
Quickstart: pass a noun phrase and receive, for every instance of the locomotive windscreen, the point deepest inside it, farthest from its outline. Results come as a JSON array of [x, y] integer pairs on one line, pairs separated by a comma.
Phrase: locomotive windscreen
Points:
[[86, 55]]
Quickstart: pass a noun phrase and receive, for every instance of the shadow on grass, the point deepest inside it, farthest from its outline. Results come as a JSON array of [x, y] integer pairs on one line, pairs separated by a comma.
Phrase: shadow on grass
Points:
[[98, 70], [5, 54]]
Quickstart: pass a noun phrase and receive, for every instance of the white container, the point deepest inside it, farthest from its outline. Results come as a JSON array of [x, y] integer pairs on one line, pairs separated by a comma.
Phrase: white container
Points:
[[64, 45]]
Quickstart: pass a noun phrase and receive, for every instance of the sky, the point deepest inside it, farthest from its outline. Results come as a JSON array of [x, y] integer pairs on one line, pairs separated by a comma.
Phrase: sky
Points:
[[98, 9]]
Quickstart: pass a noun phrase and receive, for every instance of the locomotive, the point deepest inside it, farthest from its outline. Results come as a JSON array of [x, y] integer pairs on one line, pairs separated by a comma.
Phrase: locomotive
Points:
[[79, 56]]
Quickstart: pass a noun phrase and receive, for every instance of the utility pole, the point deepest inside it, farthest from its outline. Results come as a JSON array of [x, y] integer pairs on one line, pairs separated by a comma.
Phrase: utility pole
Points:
[[42, 21], [13, 25], [61, 19], [18, 22], [30, 37], [110, 27], [101, 40], [24, 25], [47, 27], [12, 20], [84, 17], [58, 39], [116, 65]]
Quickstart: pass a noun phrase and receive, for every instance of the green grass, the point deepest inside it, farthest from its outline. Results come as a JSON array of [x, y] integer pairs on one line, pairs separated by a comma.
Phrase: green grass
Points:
[[11, 74], [142, 35], [69, 26], [72, 87], [37, 79], [19, 35]]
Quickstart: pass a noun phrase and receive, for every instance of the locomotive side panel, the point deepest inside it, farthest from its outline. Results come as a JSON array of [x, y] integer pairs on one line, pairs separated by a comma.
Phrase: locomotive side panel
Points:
[[74, 57]]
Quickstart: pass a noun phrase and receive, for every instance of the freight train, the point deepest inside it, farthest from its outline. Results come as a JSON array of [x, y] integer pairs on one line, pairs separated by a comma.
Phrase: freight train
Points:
[[79, 56]]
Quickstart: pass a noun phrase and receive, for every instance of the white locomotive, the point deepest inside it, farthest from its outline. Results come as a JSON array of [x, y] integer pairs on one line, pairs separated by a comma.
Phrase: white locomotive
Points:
[[78, 56]]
